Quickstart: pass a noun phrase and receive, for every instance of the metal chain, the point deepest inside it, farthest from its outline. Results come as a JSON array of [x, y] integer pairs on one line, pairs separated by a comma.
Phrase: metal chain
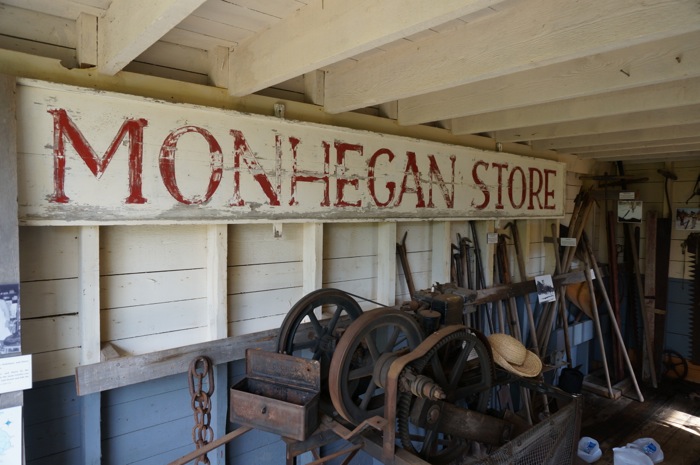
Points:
[[201, 375]]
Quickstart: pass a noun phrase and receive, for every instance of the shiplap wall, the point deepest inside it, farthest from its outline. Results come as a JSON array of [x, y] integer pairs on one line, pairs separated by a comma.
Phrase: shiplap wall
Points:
[[52, 423], [153, 280], [152, 286], [49, 294]]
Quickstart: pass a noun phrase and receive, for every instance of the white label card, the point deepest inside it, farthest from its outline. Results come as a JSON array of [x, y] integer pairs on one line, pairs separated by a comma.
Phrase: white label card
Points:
[[15, 373], [568, 241], [627, 196]]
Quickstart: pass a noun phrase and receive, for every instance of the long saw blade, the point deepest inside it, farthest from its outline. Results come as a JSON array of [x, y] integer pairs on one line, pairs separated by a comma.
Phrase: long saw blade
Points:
[[692, 248]]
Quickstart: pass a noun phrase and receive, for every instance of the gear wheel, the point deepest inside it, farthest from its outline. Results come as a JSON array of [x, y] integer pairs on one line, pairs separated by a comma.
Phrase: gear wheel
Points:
[[466, 381]]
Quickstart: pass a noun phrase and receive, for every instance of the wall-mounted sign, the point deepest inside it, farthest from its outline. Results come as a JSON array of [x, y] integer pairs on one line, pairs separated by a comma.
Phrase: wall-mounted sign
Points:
[[10, 331], [687, 219], [88, 157], [15, 373], [629, 211]]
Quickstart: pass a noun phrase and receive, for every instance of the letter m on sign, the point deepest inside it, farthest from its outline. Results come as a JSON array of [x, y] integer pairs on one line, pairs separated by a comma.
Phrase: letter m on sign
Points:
[[65, 129]]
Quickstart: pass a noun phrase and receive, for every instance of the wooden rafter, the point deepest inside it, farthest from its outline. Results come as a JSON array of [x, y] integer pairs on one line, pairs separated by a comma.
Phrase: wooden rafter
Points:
[[508, 41], [131, 26], [334, 31]]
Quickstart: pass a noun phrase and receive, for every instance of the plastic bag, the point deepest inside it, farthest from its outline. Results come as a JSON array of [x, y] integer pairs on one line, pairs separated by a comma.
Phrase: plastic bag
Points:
[[630, 456]]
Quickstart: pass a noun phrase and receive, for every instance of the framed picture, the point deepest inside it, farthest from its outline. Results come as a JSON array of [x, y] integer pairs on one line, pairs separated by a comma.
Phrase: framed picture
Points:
[[545, 288], [687, 219], [629, 211], [10, 339]]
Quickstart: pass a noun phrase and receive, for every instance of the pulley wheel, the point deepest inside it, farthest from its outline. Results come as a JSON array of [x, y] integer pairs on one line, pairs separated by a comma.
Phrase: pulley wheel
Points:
[[675, 366], [353, 381], [318, 339], [460, 363]]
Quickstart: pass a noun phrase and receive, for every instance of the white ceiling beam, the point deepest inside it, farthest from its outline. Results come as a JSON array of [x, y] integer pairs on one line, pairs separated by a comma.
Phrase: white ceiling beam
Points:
[[638, 152], [131, 26], [514, 39], [654, 158], [218, 66], [589, 143], [665, 60], [86, 40], [583, 151], [313, 87], [327, 31], [633, 121], [646, 98]]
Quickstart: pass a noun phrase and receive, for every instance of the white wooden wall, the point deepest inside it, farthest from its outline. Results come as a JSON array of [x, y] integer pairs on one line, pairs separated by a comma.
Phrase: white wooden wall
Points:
[[153, 280], [265, 275]]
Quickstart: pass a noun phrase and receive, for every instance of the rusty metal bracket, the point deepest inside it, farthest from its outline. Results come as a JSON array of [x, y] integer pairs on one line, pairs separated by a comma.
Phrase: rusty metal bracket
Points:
[[376, 422]]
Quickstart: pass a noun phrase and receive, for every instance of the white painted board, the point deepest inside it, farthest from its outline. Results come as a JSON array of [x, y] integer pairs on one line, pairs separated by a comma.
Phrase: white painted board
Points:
[[88, 157]]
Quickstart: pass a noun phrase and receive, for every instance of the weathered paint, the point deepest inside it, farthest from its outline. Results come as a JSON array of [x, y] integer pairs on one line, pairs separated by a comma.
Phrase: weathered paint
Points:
[[97, 158]]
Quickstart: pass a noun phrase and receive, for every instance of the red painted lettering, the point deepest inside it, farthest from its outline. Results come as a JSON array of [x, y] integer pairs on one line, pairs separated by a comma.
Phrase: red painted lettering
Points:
[[341, 148], [65, 128], [437, 175], [523, 187], [311, 176], [166, 162], [390, 185], [242, 150], [548, 189], [411, 171], [499, 196], [535, 188], [481, 184]]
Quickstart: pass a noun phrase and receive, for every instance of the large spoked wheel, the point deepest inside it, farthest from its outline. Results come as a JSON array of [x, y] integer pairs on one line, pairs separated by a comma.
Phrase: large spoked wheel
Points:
[[318, 339], [675, 366], [461, 364], [353, 381]]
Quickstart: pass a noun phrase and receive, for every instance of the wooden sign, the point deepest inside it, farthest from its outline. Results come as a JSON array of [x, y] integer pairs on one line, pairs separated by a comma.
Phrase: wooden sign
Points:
[[90, 157]]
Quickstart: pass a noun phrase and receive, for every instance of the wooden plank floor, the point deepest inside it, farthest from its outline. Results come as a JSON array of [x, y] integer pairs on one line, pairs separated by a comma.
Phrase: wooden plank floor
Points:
[[669, 414]]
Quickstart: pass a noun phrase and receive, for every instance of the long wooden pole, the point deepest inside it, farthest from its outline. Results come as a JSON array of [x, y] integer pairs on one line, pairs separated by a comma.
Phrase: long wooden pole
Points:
[[649, 345], [615, 289], [562, 299], [596, 321], [506, 277], [211, 446], [613, 321], [523, 277]]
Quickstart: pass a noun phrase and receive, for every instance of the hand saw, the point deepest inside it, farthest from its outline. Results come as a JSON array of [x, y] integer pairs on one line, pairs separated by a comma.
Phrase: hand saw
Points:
[[692, 246]]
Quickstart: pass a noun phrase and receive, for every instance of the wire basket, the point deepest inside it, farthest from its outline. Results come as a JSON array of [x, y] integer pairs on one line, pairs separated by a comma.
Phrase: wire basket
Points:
[[553, 441]]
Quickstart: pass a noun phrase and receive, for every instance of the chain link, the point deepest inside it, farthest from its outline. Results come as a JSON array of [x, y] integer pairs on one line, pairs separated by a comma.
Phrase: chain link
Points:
[[201, 380]]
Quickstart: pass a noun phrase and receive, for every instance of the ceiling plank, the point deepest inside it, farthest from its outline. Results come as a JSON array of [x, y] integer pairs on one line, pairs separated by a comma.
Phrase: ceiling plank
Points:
[[129, 27], [634, 146], [641, 65], [646, 98], [637, 136], [37, 26], [65, 10], [333, 31], [654, 158], [511, 40], [637, 152], [642, 120]]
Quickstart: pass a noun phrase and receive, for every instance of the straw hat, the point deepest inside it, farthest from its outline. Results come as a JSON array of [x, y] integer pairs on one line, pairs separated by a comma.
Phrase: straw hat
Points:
[[510, 354]]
